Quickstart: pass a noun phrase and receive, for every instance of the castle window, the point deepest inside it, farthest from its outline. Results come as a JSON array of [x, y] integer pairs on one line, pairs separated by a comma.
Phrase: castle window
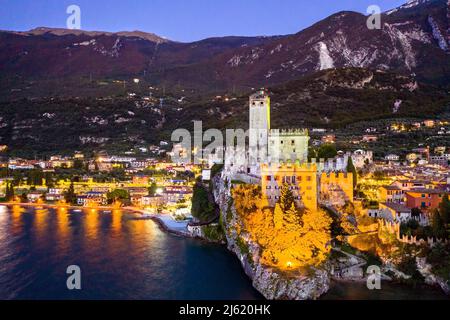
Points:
[[308, 178], [293, 179], [299, 179], [293, 142], [268, 178], [282, 142]]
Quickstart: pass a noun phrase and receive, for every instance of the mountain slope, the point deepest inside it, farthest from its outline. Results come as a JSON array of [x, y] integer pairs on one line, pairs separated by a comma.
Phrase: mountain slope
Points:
[[328, 98], [414, 39]]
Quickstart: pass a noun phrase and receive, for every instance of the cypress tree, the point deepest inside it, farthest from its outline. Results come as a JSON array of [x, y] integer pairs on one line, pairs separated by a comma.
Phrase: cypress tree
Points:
[[444, 209], [9, 192], [70, 195], [438, 225], [351, 168], [286, 198], [292, 216]]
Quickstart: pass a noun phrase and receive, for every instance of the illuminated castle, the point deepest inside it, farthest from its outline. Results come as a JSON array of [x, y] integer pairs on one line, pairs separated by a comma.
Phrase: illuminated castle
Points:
[[267, 145], [280, 157]]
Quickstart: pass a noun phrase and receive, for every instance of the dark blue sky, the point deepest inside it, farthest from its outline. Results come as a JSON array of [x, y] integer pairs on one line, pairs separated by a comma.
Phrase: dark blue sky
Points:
[[182, 20]]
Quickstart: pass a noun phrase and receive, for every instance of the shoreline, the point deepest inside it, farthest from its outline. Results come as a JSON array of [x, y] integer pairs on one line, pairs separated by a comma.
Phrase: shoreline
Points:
[[164, 224]]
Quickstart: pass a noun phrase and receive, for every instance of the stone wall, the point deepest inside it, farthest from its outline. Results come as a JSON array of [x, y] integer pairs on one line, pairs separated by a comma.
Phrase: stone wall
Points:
[[394, 228]]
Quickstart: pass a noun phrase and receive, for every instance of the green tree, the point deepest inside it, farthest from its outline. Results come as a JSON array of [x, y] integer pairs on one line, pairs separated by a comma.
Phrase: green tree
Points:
[[416, 212], [49, 180], [23, 198], [327, 151], [437, 225], [9, 191], [202, 208], [351, 168], [70, 195], [292, 216], [444, 209], [379, 175], [118, 195], [78, 164], [152, 189]]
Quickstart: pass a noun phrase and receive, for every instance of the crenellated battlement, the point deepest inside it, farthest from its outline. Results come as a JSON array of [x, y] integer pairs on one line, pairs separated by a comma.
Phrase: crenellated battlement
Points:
[[394, 228], [288, 166], [337, 176], [288, 132]]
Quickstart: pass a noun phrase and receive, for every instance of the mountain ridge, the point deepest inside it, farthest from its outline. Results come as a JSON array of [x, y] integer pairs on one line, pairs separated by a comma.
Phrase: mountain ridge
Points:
[[412, 40]]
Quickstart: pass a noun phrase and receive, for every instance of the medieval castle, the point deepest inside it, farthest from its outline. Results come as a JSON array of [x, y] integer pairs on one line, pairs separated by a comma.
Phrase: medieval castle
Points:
[[277, 157]]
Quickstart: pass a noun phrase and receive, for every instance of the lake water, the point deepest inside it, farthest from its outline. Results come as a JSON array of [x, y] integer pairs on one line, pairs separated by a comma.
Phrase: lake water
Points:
[[122, 258], [119, 258]]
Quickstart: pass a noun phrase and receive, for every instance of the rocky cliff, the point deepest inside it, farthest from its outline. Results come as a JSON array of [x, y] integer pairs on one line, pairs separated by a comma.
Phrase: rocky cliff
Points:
[[430, 278], [271, 283]]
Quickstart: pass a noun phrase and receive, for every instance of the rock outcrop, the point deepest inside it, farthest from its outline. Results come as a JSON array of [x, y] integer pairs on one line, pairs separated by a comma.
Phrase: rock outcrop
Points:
[[430, 278], [271, 283]]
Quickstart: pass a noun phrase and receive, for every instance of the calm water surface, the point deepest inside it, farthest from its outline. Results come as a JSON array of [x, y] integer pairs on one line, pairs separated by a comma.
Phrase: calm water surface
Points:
[[121, 258]]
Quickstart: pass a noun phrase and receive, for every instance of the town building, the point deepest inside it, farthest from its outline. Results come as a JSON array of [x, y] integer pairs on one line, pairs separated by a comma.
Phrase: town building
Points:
[[394, 212], [34, 196], [155, 201], [392, 157], [141, 179], [361, 158], [55, 194], [424, 198], [92, 198], [329, 139], [369, 138], [136, 193], [175, 194], [391, 194]]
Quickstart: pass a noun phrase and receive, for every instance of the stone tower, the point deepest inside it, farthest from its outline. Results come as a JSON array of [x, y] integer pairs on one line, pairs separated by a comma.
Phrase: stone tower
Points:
[[259, 127]]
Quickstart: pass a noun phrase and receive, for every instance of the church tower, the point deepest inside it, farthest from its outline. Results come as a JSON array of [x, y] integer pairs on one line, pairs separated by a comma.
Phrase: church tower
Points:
[[259, 128]]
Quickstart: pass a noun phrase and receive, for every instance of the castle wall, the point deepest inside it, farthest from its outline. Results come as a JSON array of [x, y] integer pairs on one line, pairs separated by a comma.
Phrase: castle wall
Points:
[[301, 179], [285, 145], [336, 188]]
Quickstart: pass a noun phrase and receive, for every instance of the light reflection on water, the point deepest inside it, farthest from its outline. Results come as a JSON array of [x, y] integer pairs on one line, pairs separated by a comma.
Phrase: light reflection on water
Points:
[[120, 258]]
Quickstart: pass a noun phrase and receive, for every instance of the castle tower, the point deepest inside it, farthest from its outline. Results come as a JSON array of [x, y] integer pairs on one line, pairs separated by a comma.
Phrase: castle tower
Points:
[[259, 127]]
